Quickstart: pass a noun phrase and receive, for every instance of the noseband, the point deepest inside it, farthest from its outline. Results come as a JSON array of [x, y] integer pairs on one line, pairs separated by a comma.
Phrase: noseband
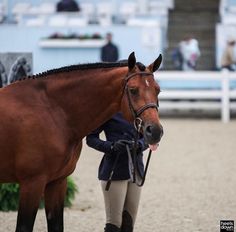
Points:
[[138, 112]]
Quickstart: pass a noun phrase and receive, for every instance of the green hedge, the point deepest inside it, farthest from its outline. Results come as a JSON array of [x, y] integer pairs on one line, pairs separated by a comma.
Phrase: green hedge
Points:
[[9, 195]]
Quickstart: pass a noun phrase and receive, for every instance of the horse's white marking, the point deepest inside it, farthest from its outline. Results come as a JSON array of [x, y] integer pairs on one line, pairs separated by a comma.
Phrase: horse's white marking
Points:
[[147, 83]]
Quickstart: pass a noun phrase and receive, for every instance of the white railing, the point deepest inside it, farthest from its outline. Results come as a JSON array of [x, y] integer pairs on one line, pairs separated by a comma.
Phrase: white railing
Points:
[[210, 90]]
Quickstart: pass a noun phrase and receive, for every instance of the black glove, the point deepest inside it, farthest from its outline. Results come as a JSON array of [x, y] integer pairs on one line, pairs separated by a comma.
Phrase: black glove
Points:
[[120, 146], [139, 147]]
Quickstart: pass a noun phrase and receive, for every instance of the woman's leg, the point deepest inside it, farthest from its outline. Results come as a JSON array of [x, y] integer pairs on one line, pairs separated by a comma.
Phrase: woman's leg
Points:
[[130, 207], [114, 200]]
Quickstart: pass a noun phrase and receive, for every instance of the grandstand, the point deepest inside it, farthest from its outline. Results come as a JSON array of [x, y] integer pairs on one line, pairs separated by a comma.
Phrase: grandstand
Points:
[[143, 22], [206, 19]]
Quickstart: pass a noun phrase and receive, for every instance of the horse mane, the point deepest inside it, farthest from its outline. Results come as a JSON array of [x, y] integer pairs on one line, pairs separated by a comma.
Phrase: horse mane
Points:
[[141, 66], [121, 63], [81, 67]]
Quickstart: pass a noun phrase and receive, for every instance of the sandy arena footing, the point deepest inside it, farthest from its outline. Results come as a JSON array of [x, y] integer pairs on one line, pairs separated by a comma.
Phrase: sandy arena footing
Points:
[[190, 185]]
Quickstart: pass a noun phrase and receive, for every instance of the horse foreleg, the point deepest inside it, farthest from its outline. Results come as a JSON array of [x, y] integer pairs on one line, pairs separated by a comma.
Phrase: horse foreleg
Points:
[[30, 196], [54, 204]]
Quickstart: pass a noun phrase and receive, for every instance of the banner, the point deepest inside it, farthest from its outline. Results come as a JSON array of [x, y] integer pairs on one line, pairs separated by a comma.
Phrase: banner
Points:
[[14, 66]]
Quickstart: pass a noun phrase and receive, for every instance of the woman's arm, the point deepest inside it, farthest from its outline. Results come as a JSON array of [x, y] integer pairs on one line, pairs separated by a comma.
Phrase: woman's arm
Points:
[[93, 140]]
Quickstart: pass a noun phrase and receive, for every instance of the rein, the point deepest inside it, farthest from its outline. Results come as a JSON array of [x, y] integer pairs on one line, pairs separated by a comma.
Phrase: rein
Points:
[[137, 124]]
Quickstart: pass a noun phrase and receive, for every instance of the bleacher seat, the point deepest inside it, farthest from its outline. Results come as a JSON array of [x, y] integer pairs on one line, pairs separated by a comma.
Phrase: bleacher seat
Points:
[[36, 21], [87, 10], [127, 10], [47, 8], [104, 13], [21, 8], [155, 5], [139, 21], [77, 21], [58, 20]]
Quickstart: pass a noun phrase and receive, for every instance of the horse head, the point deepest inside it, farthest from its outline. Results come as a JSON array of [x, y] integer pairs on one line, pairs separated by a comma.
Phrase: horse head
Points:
[[140, 100]]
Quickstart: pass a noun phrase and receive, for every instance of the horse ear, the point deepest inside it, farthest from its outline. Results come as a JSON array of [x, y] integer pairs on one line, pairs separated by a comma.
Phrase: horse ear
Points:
[[131, 61], [156, 64]]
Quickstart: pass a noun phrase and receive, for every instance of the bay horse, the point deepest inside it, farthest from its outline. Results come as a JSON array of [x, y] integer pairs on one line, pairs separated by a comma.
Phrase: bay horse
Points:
[[45, 117]]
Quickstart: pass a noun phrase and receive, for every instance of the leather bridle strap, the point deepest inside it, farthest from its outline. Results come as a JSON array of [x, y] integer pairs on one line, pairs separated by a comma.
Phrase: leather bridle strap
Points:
[[137, 113], [143, 108], [133, 166], [138, 73]]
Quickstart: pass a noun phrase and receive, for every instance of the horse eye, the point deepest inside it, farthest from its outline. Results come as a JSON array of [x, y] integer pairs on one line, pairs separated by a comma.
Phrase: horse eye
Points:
[[134, 91]]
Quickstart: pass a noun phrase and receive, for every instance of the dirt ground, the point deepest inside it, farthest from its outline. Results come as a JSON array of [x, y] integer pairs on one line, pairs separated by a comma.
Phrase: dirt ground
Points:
[[190, 185]]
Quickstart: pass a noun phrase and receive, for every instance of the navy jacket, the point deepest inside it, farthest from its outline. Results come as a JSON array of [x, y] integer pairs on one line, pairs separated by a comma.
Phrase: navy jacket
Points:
[[115, 129], [109, 53]]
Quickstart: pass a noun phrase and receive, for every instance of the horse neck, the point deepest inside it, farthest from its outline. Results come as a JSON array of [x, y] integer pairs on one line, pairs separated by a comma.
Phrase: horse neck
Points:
[[89, 98]]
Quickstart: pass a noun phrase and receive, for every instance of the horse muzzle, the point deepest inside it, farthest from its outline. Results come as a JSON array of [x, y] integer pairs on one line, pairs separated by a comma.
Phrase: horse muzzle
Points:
[[152, 134]]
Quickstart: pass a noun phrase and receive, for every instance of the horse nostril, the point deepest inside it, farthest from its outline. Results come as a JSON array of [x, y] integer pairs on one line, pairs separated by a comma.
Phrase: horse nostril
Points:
[[154, 132], [149, 130]]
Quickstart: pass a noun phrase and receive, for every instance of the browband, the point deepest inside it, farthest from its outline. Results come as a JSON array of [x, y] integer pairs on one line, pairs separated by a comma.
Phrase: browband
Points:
[[134, 74]]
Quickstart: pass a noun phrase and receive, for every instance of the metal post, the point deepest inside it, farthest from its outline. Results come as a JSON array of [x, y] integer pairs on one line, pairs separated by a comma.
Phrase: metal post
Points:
[[225, 100]]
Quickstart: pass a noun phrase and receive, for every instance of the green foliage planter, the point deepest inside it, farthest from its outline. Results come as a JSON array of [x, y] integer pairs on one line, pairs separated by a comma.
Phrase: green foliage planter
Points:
[[9, 195], [72, 189]]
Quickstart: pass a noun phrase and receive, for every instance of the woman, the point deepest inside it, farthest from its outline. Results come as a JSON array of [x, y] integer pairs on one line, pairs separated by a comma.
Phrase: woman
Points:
[[122, 198]]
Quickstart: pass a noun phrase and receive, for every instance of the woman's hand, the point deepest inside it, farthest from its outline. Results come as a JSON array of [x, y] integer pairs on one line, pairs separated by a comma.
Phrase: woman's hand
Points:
[[120, 145]]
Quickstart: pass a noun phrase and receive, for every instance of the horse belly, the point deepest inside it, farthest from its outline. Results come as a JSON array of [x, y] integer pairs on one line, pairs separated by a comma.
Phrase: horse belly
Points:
[[7, 174]]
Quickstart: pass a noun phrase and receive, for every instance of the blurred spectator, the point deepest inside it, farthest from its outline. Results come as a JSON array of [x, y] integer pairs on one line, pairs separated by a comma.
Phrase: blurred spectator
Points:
[[190, 53], [228, 60], [3, 75], [109, 52], [177, 58], [67, 6]]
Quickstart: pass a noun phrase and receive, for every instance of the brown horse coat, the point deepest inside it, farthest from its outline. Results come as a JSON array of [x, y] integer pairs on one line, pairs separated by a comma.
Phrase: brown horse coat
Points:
[[43, 122]]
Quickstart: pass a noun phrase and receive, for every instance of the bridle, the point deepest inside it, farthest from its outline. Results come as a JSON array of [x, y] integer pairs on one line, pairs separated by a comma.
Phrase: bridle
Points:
[[138, 112], [137, 124]]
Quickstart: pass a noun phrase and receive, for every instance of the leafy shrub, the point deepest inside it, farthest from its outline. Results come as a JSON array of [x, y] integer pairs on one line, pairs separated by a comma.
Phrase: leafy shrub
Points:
[[9, 195], [72, 189]]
